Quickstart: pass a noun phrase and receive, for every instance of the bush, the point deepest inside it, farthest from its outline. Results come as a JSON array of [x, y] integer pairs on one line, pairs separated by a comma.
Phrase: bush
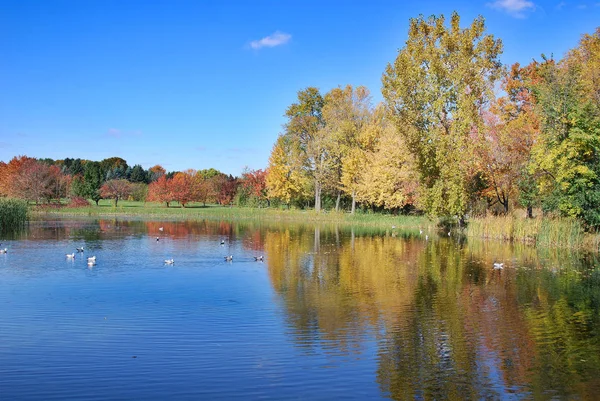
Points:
[[78, 201]]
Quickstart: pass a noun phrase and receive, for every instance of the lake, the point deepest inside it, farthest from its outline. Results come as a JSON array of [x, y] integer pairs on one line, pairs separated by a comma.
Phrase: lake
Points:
[[331, 313]]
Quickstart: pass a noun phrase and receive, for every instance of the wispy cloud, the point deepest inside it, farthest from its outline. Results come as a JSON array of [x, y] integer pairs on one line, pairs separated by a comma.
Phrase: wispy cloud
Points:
[[276, 39], [560, 5], [114, 132], [516, 8], [5, 145]]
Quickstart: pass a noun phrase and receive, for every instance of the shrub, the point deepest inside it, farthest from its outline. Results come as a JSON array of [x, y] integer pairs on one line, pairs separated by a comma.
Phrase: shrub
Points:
[[78, 201]]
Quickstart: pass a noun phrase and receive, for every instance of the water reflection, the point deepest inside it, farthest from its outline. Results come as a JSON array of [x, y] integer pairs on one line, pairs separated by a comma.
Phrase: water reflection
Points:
[[447, 324], [429, 319]]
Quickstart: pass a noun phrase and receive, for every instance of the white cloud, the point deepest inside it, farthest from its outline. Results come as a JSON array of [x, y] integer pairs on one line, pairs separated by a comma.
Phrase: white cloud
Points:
[[515, 8], [276, 39]]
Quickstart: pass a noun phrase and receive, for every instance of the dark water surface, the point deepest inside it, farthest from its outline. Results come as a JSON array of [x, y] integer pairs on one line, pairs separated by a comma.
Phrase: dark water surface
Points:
[[331, 313]]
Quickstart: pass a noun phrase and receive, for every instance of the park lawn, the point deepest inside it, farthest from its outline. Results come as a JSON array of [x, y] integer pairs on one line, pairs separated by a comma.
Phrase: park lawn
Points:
[[197, 211]]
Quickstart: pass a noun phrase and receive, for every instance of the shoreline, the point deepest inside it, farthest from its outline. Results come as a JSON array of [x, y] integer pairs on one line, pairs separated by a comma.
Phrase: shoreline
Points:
[[537, 232]]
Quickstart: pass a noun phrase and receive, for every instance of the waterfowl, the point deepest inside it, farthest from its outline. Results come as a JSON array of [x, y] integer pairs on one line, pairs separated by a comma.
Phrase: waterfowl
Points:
[[157, 239], [258, 258], [160, 228], [222, 242], [70, 255], [229, 258], [5, 250], [79, 249], [498, 266], [91, 263], [91, 259], [169, 262]]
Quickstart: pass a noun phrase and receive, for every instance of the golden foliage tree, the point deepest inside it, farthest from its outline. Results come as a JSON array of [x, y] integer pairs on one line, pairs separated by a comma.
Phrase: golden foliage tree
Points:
[[436, 89]]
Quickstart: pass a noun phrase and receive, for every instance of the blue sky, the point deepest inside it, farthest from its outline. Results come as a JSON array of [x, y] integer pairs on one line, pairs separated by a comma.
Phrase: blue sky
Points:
[[199, 84]]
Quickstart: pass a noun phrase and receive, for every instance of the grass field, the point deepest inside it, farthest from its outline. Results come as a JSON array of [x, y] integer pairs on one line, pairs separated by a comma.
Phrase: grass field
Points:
[[195, 211]]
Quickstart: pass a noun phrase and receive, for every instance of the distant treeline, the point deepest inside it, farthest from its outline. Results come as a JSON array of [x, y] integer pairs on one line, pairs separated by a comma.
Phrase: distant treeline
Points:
[[47, 180]]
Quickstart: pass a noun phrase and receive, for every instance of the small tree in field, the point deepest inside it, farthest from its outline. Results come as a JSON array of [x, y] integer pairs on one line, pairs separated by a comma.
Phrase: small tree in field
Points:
[[182, 188], [160, 191], [116, 189]]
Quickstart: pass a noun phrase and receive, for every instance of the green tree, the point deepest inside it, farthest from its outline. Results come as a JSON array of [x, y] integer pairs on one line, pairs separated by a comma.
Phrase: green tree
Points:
[[138, 174], [436, 90], [567, 155], [305, 127], [93, 179]]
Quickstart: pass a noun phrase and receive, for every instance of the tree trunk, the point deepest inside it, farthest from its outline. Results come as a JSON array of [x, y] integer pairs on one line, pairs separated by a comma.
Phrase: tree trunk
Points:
[[337, 201], [353, 202], [116, 201], [529, 212], [167, 204], [97, 201], [317, 196]]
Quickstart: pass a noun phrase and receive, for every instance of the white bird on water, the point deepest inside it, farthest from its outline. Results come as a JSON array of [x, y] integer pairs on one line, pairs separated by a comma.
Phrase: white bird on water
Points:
[[169, 262], [498, 266], [79, 249], [259, 258], [229, 258], [91, 259], [70, 255], [5, 250]]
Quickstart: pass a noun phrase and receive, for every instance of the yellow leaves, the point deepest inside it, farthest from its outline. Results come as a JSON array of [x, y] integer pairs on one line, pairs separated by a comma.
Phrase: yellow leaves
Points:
[[389, 177]]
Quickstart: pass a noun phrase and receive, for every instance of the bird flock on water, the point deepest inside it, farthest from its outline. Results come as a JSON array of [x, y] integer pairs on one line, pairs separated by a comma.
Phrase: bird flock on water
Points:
[[91, 260]]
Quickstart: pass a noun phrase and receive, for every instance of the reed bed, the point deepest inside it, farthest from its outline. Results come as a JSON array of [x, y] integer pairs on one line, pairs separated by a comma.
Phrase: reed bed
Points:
[[546, 232], [13, 215]]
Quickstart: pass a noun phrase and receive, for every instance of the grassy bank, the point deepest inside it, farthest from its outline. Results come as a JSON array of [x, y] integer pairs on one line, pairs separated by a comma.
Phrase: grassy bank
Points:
[[13, 215], [558, 233], [216, 212]]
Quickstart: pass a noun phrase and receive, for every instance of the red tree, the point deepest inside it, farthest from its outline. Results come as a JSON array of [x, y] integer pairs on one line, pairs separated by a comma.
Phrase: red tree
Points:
[[115, 189], [160, 191], [254, 183], [182, 188]]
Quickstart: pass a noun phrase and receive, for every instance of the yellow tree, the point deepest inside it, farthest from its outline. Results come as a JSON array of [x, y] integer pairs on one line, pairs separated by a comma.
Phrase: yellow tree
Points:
[[389, 178], [284, 179], [345, 113], [436, 89]]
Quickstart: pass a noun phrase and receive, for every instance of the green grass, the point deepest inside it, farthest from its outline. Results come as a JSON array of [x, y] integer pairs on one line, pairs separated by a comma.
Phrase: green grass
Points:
[[13, 215], [196, 211]]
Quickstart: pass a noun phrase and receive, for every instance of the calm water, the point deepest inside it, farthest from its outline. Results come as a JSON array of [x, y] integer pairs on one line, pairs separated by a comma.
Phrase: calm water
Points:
[[330, 313]]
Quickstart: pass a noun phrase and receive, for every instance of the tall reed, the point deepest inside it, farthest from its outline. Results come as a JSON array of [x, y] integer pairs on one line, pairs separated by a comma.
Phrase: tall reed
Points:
[[556, 232], [13, 214]]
